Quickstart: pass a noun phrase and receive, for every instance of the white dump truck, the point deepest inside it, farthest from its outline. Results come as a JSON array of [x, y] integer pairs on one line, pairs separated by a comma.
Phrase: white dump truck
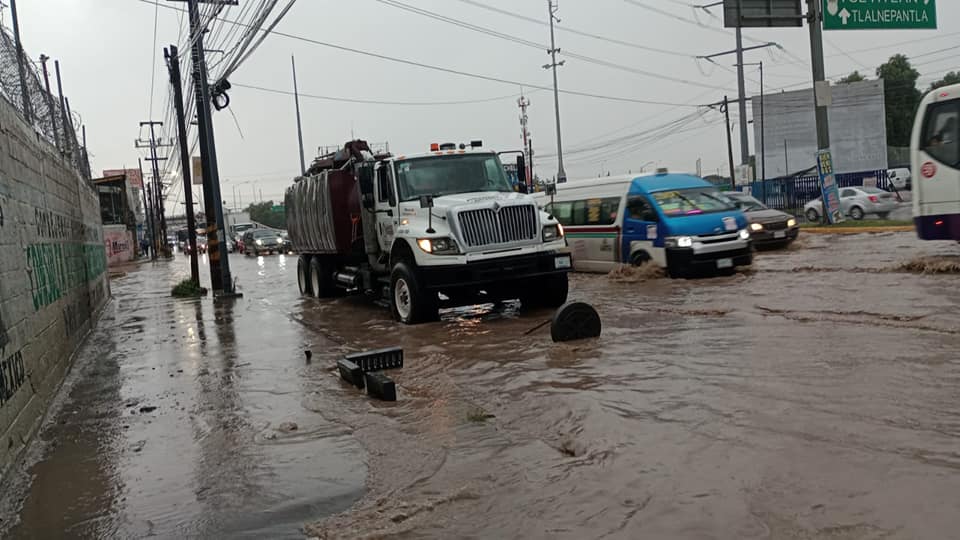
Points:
[[444, 227]]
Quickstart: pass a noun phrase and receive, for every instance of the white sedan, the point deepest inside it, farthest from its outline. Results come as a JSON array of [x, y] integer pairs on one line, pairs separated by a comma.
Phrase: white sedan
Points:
[[856, 202]]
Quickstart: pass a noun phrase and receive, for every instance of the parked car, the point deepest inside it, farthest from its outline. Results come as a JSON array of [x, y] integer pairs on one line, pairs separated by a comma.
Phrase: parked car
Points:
[[768, 227], [900, 179], [856, 202], [258, 241]]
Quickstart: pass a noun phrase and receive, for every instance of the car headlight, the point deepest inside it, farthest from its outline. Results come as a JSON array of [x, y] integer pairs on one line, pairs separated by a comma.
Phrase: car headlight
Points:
[[679, 241], [791, 223], [744, 234], [552, 232], [438, 246], [756, 227], [259, 242]]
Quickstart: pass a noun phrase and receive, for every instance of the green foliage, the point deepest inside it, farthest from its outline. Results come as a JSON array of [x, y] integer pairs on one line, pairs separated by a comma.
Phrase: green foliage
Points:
[[853, 77], [188, 288], [950, 78], [901, 97], [264, 213]]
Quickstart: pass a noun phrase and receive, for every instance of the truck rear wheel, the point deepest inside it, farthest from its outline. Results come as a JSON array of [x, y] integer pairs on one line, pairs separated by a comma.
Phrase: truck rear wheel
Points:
[[550, 291], [321, 278], [410, 303], [303, 275]]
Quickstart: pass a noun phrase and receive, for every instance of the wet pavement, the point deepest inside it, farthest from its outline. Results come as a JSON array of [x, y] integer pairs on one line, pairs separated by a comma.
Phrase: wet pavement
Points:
[[814, 396]]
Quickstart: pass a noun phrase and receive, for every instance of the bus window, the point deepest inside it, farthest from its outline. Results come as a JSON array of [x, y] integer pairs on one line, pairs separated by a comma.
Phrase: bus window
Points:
[[941, 134]]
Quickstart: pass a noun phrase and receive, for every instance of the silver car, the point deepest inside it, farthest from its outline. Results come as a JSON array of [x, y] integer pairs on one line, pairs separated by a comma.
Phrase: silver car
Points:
[[856, 202]]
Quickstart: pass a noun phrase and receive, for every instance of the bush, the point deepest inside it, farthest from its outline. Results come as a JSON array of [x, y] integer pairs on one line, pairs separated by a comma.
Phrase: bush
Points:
[[188, 288]]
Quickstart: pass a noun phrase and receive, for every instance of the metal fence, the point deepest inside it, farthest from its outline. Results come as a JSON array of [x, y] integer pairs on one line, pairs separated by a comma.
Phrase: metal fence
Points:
[[790, 194], [43, 110]]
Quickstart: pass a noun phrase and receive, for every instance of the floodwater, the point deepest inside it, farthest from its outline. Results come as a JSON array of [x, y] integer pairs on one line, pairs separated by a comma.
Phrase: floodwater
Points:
[[812, 396]]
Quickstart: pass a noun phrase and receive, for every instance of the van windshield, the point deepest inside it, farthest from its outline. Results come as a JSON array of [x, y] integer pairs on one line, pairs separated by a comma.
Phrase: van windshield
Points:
[[449, 175], [688, 202]]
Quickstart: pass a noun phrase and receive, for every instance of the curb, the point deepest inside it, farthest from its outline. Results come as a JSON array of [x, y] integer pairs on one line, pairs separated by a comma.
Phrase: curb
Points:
[[856, 230]]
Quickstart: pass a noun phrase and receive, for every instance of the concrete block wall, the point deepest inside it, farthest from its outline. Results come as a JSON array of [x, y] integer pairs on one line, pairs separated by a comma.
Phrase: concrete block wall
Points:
[[53, 275]]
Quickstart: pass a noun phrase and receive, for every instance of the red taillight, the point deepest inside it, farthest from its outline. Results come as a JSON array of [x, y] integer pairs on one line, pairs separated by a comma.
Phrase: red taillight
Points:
[[938, 223], [874, 199]]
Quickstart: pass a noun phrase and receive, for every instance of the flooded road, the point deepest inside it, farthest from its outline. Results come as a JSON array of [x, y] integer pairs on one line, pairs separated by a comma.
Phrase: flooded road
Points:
[[814, 396]]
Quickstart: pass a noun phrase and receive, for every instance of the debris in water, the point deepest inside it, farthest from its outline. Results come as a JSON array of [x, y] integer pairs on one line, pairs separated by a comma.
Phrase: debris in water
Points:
[[930, 265], [288, 427], [626, 273], [147, 409], [575, 320], [309, 355]]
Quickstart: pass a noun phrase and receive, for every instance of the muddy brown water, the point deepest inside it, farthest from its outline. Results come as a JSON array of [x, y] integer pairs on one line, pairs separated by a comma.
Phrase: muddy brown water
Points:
[[814, 396]]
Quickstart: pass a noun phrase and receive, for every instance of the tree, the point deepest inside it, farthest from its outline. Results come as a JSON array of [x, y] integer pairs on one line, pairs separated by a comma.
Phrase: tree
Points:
[[901, 98], [853, 77], [264, 214], [950, 78]]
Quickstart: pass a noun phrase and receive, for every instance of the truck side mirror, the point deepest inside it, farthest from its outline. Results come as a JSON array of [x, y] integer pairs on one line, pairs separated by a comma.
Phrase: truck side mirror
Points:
[[426, 201], [522, 173]]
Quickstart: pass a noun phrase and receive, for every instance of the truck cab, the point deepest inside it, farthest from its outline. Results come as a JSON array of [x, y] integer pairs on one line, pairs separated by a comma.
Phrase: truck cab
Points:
[[449, 222]]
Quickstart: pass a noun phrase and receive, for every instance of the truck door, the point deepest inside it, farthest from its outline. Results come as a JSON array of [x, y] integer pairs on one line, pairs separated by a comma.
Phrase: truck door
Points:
[[386, 203]]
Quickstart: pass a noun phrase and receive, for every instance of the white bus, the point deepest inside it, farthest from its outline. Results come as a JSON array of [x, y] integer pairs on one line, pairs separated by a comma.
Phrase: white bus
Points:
[[935, 156]]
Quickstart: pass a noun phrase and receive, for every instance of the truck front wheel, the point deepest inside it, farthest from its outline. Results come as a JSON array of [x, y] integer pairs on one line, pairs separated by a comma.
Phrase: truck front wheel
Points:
[[410, 302]]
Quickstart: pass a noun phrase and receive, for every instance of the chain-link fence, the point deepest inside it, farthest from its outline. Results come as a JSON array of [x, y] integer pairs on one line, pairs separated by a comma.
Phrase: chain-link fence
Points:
[[41, 108]]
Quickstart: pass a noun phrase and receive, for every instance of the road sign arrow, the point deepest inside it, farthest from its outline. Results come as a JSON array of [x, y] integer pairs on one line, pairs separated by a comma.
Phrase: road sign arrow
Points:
[[845, 15]]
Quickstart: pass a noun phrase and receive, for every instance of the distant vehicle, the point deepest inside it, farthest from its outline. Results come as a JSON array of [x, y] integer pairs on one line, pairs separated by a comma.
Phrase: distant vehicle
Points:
[[935, 157], [259, 241], [677, 221], [768, 227], [287, 244], [856, 202], [231, 245], [900, 178], [201, 246], [171, 241], [237, 229]]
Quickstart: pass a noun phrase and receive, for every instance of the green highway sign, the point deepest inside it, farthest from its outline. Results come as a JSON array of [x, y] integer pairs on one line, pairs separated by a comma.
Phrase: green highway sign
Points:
[[277, 209], [879, 14]]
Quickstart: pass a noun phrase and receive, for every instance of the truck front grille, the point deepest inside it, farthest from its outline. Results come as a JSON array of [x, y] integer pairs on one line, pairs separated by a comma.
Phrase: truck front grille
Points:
[[487, 227]]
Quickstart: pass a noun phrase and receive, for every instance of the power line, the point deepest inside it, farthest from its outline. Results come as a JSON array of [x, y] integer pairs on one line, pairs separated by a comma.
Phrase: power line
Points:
[[377, 101], [153, 72], [448, 70], [540, 46]]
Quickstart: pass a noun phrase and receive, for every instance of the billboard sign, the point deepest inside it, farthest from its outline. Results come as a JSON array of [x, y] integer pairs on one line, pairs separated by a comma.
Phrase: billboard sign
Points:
[[134, 178], [874, 15], [828, 187], [762, 13]]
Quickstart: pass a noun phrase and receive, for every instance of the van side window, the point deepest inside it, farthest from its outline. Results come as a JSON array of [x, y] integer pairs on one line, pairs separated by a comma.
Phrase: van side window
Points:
[[639, 208], [563, 211], [586, 212], [941, 133], [384, 187]]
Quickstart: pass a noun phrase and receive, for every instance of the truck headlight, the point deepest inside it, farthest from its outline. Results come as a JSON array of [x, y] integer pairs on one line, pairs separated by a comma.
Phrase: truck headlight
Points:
[[744, 234], [756, 227], [438, 246], [679, 241], [552, 232], [791, 222]]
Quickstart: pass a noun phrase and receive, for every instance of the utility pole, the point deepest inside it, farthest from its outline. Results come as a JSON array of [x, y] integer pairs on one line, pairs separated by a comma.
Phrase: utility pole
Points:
[[153, 144], [763, 132], [151, 231], [726, 113], [220, 276], [524, 102], [742, 93], [173, 65], [815, 17], [552, 10], [296, 100]]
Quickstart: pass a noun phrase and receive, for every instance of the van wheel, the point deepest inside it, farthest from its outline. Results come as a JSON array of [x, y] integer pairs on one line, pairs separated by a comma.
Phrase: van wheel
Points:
[[303, 275], [550, 292], [640, 258], [856, 213], [410, 303], [321, 278]]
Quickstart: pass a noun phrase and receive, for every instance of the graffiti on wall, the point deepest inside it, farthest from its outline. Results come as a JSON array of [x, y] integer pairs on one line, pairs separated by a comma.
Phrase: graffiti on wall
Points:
[[12, 376], [119, 246], [55, 269]]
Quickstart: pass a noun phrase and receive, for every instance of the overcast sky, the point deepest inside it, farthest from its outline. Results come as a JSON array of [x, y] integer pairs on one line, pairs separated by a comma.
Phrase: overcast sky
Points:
[[108, 56]]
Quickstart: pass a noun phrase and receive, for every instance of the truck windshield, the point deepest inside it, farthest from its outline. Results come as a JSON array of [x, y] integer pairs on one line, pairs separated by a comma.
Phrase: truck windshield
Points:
[[449, 175], [688, 202]]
